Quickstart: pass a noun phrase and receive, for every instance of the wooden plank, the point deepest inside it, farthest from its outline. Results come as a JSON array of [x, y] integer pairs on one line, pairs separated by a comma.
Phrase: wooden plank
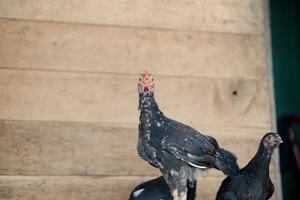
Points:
[[107, 98], [87, 188], [69, 47], [72, 188], [207, 15], [69, 148]]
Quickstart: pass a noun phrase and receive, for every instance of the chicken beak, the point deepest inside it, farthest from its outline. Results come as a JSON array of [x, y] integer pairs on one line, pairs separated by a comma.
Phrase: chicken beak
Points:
[[278, 139]]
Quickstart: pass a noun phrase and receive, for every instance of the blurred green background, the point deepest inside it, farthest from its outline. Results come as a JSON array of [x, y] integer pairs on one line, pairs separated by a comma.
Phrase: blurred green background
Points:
[[285, 31]]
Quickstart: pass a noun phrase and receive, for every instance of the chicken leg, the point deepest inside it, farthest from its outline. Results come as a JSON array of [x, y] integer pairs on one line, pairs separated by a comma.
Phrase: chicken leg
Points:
[[175, 195], [179, 196], [183, 196]]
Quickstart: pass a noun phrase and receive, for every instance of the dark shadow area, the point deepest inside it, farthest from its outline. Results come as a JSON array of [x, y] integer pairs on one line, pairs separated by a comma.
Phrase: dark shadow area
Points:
[[289, 128], [285, 31]]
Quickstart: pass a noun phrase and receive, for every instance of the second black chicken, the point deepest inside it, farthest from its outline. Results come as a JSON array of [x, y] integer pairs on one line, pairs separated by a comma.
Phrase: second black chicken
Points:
[[253, 181], [157, 189]]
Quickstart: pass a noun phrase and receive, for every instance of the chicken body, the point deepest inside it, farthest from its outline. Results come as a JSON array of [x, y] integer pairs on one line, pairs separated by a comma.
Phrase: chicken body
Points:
[[157, 189], [253, 181], [179, 151]]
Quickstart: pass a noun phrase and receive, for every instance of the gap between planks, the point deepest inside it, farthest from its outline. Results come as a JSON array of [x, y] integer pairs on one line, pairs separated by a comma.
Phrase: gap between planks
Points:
[[12, 68], [134, 27]]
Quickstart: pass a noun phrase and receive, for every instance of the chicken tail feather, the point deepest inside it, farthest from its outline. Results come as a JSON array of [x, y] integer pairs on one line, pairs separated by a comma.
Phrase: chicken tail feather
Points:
[[226, 162]]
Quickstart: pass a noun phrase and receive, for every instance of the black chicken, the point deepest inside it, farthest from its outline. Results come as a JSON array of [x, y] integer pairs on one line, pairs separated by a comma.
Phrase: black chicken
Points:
[[157, 189], [179, 151], [253, 181]]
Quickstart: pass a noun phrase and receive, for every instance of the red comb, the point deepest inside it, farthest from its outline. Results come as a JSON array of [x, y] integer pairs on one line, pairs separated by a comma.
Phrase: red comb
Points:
[[146, 73]]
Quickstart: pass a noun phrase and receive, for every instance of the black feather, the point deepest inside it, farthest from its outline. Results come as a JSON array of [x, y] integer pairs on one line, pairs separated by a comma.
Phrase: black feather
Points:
[[253, 181], [226, 162], [160, 135], [178, 150], [158, 189]]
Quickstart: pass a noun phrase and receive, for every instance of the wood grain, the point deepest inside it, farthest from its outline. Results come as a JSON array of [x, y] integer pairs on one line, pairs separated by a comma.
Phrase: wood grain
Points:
[[207, 15], [68, 76], [72, 188], [77, 148], [69, 47], [107, 98], [86, 188]]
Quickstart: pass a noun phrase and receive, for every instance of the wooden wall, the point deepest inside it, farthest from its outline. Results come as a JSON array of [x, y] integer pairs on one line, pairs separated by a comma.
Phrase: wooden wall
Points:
[[68, 88]]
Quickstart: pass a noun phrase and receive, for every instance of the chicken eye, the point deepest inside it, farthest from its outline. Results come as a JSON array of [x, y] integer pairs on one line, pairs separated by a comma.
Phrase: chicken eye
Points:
[[140, 79]]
